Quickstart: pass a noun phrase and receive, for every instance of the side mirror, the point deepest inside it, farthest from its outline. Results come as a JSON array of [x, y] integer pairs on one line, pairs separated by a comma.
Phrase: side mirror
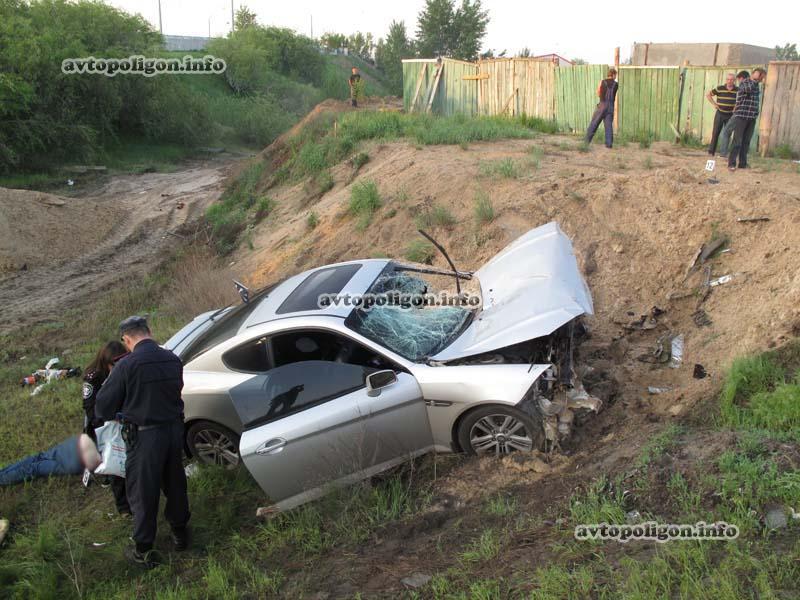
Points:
[[379, 380]]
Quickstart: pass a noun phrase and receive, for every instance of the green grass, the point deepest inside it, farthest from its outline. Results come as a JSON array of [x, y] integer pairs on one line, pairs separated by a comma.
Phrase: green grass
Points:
[[420, 251], [435, 216], [485, 548], [483, 208], [505, 168], [364, 201], [784, 151], [239, 204], [312, 220]]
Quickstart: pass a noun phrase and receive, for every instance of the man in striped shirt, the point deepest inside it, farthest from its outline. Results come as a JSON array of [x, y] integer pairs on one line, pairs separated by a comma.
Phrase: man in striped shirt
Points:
[[724, 102], [744, 116]]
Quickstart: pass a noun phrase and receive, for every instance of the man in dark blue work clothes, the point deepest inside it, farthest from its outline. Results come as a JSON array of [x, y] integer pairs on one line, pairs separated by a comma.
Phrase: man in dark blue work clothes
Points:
[[607, 92], [143, 390]]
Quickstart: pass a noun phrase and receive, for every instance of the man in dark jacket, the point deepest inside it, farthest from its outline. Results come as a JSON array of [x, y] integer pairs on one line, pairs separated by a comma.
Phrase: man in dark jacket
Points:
[[744, 116], [144, 389], [607, 93]]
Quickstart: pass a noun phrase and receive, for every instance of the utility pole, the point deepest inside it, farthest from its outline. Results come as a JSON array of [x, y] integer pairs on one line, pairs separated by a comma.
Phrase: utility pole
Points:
[[232, 16], [209, 27], [312, 26], [160, 28]]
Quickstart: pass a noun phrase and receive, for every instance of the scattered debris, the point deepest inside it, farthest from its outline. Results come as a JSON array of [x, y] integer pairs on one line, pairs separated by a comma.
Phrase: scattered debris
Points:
[[4, 525], [720, 280], [266, 512], [645, 322], [701, 318], [676, 357], [775, 517], [751, 219], [632, 517], [180, 205], [654, 391], [99, 544], [713, 180], [699, 371], [70, 182], [191, 469], [417, 580], [659, 355]]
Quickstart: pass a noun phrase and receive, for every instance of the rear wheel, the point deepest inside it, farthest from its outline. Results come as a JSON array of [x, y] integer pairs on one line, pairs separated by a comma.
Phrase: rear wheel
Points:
[[499, 430], [213, 444]]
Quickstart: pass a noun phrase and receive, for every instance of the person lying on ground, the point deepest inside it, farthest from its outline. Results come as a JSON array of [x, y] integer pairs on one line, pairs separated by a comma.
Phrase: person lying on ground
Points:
[[94, 376], [70, 457]]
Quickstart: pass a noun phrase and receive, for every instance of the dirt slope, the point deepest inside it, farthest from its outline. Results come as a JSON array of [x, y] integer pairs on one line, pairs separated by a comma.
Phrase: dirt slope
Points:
[[637, 218], [74, 248]]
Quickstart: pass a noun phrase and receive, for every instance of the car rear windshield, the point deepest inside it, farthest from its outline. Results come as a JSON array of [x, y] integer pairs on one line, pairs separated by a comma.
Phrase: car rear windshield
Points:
[[325, 281]]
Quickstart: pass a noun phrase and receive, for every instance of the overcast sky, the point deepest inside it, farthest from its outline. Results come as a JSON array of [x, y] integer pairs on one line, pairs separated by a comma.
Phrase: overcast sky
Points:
[[588, 30]]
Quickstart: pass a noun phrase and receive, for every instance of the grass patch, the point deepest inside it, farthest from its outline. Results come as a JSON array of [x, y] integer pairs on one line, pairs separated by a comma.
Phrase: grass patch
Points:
[[783, 151], [486, 547], [505, 168], [435, 216], [229, 217], [483, 208], [420, 251], [364, 201], [312, 220]]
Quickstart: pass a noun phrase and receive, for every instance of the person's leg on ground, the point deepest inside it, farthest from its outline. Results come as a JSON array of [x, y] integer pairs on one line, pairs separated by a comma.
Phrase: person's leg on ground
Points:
[[120, 495], [725, 137], [608, 125], [715, 131], [597, 117], [173, 484], [747, 136], [738, 130], [143, 468]]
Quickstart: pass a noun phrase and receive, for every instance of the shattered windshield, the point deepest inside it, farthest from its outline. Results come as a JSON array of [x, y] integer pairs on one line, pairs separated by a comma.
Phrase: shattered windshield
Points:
[[413, 333]]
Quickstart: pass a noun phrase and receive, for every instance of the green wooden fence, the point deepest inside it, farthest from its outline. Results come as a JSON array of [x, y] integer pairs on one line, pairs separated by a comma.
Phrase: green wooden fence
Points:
[[648, 101], [454, 94], [576, 95]]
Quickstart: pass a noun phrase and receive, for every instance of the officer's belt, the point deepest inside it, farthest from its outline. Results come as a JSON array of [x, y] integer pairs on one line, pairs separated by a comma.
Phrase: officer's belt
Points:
[[155, 426]]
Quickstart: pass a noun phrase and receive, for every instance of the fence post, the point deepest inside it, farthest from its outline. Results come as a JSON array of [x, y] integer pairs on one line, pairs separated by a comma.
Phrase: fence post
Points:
[[765, 125]]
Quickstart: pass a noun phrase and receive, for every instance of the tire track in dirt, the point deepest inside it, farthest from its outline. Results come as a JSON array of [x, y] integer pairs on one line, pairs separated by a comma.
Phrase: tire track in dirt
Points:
[[148, 222]]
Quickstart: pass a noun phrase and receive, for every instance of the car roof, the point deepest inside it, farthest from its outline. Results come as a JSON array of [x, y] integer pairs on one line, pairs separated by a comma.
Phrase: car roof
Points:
[[278, 303]]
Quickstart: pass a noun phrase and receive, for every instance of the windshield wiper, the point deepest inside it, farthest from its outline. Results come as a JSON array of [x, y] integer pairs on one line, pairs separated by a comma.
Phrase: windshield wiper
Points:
[[456, 273]]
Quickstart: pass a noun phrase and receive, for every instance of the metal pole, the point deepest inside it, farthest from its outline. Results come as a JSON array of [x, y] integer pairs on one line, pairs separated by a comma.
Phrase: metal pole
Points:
[[232, 16], [160, 28], [312, 26]]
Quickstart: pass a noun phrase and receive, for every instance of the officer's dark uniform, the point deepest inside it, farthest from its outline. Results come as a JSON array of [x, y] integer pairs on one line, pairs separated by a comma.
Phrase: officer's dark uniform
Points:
[[145, 387], [92, 382]]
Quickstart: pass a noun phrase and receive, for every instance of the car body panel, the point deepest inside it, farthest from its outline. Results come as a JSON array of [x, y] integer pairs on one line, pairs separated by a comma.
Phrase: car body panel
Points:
[[297, 457], [450, 391], [194, 329], [529, 290], [207, 397]]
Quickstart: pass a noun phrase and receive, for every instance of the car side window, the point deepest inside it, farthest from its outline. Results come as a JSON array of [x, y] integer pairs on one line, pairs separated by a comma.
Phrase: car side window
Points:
[[310, 344], [295, 387], [250, 357]]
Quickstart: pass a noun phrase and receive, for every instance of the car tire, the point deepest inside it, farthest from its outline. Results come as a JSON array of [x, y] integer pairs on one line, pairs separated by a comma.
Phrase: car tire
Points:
[[213, 444], [499, 430]]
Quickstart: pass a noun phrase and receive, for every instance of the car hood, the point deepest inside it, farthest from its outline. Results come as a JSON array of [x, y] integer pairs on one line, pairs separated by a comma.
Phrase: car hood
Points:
[[528, 290]]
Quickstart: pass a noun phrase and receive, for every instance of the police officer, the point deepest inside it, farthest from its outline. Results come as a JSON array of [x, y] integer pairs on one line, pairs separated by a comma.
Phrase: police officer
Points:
[[144, 392]]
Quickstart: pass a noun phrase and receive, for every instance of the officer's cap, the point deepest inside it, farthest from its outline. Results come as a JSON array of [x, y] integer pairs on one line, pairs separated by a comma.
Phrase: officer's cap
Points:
[[131, 323]]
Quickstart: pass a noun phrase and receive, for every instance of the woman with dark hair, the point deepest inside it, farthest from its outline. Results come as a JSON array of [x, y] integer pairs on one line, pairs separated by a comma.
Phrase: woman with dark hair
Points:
[[95, 374]]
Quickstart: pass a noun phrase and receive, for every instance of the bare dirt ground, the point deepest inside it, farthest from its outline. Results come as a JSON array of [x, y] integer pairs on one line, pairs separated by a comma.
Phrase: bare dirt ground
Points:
[[57, 252], [637, 218]]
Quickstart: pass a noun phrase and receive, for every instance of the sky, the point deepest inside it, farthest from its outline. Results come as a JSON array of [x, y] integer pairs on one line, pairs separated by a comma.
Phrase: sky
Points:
[[577, 29]]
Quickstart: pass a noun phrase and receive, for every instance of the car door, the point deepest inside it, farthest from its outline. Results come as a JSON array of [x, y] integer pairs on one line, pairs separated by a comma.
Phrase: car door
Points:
[[309, 425]]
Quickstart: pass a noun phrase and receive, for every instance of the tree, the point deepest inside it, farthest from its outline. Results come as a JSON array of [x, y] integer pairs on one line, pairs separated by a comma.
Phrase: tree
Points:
[[469, 29], [390, 53], [525, 53], [333, 41], [579, 61], [244, 18], [444, 30], [787, 52]]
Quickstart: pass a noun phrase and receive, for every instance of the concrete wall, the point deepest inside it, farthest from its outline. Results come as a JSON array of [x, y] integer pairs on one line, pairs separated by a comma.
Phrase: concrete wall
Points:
[[700, 54], [185, 42]]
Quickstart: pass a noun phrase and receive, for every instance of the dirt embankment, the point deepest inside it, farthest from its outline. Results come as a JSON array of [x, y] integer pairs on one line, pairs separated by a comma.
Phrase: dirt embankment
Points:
[[58, 253], [637, 218]]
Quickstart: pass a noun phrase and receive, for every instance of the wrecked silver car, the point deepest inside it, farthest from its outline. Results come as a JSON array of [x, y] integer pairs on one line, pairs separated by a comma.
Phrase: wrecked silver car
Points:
[[310, 395]]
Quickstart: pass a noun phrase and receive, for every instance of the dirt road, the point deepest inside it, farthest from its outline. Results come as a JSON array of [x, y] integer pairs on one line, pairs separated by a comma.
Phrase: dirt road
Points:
[[59, 252]]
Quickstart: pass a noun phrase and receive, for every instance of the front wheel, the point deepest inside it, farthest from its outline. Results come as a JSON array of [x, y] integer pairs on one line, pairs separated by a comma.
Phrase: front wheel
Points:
[[499, 430], [213, 444]]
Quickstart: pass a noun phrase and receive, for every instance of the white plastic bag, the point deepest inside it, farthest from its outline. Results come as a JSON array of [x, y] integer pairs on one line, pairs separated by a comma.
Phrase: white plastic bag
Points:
[[112, 449]]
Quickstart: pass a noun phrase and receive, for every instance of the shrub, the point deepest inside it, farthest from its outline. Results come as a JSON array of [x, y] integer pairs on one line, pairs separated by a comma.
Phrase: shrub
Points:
[[364, 201], [359, 160], [312, 220], [263, 207], [784, 151], [436, 216], [484, 211], [420, 251], [505, 167]]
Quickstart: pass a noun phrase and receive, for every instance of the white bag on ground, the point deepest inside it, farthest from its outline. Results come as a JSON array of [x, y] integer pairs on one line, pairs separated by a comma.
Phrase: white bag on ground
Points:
[[112, 449]]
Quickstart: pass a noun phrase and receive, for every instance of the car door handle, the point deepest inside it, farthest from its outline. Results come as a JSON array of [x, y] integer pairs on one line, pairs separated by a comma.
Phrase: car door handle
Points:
[[271, 447]]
